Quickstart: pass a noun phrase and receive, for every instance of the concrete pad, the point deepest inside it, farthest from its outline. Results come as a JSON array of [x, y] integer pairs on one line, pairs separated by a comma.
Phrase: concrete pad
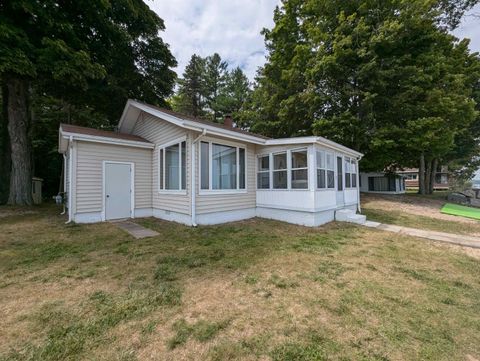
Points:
[[371, 224], [135, 230]]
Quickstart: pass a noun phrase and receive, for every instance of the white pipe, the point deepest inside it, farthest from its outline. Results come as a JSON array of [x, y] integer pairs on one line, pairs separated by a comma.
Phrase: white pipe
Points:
[[358, 185], [192, 181], [64, 182], [70, 170]]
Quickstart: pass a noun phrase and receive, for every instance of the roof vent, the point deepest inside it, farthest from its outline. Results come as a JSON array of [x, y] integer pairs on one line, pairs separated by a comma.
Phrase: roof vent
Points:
[[228, 121]]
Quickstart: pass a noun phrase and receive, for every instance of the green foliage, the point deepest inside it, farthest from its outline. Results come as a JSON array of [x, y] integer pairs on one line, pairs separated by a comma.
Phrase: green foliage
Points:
[[209, 89], [201, 330], [83, 60], [383, 78]]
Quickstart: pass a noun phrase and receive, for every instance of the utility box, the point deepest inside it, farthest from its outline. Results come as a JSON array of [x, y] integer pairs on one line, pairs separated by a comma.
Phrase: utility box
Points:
[[37, 190]]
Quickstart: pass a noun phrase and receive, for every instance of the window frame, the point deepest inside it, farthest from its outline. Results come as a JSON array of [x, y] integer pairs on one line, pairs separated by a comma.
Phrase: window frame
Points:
[[210, 190], [268, 171], [291, 169], [288, 169], [161, 152], [325, 153]]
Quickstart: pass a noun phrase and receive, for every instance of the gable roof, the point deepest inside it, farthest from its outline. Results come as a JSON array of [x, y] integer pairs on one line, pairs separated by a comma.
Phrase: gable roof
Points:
[[133, 108], [68, 131]]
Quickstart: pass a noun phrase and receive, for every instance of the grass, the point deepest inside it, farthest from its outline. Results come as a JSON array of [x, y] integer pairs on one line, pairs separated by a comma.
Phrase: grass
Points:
[[422, 222], [257, 289]]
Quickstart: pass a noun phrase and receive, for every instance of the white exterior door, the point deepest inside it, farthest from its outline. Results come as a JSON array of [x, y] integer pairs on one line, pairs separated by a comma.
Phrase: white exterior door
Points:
[[118, 190]]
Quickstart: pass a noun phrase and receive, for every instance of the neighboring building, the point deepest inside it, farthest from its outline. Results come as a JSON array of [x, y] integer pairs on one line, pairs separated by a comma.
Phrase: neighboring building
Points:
[[411, 178], [382, 183], [476, 180], [164, 164]]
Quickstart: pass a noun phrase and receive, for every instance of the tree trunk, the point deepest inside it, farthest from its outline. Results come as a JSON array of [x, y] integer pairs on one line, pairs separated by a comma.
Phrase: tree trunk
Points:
[[421, 175], [428, 173], [5, 159], [18, 125], [432, 175]]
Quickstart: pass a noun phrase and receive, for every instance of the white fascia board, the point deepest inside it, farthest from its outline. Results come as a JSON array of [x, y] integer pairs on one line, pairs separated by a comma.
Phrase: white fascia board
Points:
[[192, 125], [317, 140], [107, 140]]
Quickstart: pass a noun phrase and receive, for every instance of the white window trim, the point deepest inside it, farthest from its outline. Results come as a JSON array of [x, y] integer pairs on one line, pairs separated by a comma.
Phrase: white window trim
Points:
[[302, 168], [288, 152], [163, 147], [257, 171], [210, 190]]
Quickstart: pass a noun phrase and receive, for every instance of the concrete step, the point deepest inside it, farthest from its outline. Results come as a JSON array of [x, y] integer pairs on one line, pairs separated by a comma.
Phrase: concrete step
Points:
[[347, 215]]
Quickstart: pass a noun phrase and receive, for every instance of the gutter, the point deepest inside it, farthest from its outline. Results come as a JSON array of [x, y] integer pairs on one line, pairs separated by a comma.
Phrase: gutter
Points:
[[192, 182], [359, 208]]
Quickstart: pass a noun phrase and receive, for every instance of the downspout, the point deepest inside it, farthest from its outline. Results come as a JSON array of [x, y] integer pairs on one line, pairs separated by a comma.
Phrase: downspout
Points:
[[64, 182], [70, 170], [192, 182], [359, 208]]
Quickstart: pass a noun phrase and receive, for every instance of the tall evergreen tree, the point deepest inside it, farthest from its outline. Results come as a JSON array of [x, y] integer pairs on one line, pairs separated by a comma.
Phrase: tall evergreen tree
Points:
[[191, 88], [215, 76]]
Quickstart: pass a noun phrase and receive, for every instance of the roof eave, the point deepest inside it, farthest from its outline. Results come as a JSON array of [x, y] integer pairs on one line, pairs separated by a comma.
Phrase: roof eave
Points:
[[104, 140]]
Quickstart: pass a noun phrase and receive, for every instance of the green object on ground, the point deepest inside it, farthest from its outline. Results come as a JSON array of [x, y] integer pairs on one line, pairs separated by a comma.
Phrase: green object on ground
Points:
[[463, 211]]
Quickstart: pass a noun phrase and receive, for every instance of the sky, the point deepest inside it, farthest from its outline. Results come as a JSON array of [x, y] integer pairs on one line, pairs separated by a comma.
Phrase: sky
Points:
[[232, 29]]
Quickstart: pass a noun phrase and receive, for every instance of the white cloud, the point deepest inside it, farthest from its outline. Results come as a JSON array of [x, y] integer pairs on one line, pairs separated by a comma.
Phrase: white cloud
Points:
[[230, 28]]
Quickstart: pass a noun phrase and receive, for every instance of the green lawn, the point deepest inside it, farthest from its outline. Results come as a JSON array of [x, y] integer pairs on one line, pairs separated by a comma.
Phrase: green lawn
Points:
[[248, 290], [422, 222]]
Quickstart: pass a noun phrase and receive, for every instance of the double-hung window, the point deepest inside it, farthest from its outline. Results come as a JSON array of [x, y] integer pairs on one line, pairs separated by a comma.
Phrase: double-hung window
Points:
[[353, 170], [348, 172], [263, 172], [299, 169], [222, 167], [330, 170], [321, 170], [172, 167], [325, 170], [280, 180]]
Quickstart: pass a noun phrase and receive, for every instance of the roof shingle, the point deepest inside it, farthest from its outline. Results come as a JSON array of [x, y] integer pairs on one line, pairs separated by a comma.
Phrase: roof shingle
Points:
[[101, 133]]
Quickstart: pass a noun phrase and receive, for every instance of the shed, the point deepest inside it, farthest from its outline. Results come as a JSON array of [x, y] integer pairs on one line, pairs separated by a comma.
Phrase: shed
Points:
[[37, 190], [385, 183]]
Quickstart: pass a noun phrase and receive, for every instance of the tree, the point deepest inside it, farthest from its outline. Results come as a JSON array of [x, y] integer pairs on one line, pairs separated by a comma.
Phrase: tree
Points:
[[85, 53], [209, 89], [215, 76], [191, 88], [383, 78]]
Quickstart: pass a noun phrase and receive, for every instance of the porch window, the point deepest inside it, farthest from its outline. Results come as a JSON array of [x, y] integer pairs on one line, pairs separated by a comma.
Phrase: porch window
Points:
[[321, 170], [280, 171], [348, 173], [353, 170], [172, 167], [330, 170], [222, 167], [299, 169], [263, 172]]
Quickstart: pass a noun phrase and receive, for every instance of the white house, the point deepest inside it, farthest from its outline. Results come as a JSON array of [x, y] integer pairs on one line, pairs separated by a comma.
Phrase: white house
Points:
[[163, 164]]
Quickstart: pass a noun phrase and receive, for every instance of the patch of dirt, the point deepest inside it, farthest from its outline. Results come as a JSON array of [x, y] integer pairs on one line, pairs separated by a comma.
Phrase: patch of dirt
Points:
[[412, 205]]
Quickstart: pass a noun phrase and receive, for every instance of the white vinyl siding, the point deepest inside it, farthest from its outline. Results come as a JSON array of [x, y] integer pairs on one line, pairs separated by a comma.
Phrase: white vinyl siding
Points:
[[224, 200], [160, 132], [89, 174]]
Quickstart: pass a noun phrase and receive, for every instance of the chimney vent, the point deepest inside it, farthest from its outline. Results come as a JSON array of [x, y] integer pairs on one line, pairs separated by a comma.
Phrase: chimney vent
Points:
[[228, 121]]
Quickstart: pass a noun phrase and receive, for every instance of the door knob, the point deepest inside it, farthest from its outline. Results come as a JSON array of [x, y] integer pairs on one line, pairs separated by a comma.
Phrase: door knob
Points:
[[108, 196]]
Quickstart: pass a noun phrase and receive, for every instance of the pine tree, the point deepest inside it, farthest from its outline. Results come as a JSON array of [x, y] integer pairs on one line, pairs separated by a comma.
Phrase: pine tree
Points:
[[191, 92], [214, 79]]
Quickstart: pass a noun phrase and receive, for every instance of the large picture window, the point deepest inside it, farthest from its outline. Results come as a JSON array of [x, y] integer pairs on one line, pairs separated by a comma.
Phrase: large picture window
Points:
[[172, 167], [299, 169], [280, 171], [222, 167]]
